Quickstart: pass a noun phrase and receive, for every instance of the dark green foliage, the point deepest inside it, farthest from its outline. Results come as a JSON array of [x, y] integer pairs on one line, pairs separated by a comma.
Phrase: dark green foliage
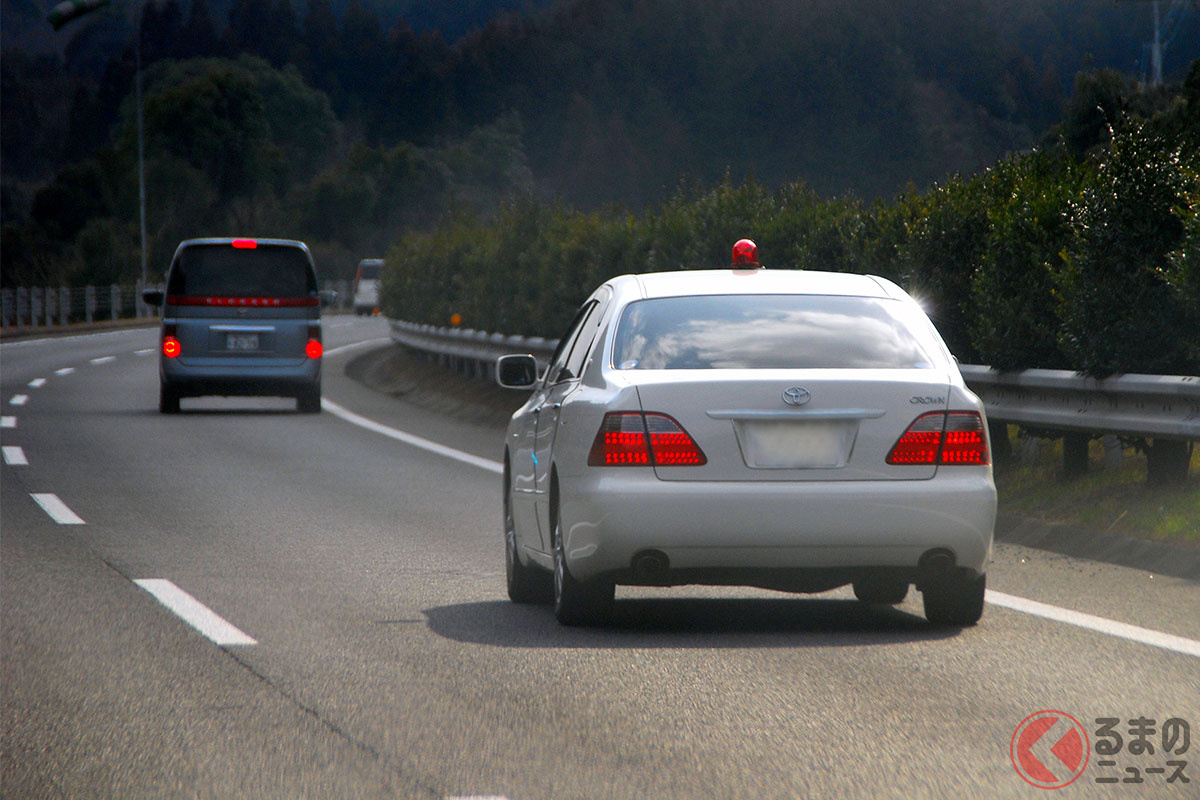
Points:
[[1121, 310], [1014, 291]]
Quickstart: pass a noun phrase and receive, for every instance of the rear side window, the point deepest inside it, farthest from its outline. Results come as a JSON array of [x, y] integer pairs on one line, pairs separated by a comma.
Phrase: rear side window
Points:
[[772, 332], [224, 271]]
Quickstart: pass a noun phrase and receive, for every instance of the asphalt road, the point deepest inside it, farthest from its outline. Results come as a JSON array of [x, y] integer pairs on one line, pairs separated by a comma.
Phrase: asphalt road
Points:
[[380, 657]]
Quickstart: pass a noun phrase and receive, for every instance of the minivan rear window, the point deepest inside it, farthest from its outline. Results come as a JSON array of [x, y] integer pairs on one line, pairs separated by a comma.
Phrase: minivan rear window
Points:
[[771, 332], [220, 270], [369, 270]]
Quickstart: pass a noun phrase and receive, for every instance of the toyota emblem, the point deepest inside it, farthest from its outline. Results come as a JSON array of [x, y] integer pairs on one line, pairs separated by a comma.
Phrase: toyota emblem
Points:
[[796, 396]]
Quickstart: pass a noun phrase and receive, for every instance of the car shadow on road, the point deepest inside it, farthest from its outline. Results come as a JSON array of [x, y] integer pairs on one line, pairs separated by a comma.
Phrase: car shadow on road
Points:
[[690, 622]]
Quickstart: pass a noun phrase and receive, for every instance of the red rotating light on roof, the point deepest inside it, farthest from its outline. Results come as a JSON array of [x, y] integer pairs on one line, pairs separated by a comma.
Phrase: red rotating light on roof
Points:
[[745, 255]]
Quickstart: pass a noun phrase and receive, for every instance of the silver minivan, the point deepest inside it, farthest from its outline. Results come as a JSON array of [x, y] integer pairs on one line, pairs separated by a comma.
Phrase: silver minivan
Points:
[[240, 317]]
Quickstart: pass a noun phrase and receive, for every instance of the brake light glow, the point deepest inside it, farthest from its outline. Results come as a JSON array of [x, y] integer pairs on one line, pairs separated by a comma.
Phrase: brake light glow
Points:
[[245, 244], [947, 438], [633, 439], [170, 347], [314, 349]]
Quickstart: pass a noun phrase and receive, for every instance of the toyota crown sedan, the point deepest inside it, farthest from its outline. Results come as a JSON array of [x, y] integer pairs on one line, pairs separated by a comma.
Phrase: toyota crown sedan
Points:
[[790, 430]]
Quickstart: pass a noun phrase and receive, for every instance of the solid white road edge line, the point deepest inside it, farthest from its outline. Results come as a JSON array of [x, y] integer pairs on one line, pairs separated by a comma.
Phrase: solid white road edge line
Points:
[[14, 456], [333, 351], [408, 438], [194, 613], [1122, 630], [57, 509]]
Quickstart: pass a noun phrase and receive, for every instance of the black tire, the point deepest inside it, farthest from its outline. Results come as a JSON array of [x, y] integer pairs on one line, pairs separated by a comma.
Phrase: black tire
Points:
[[309, 401], [526, 584], [881, 591], [577, 602], [955, 599], [168, 400]]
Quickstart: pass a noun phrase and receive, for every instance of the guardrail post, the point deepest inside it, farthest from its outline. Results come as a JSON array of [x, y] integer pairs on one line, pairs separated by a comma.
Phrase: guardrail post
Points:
[[1075, 454], [1114, 452], [22, 305], [36, 305], [8, 309], [89, 303], [114, 293], [51, 305]]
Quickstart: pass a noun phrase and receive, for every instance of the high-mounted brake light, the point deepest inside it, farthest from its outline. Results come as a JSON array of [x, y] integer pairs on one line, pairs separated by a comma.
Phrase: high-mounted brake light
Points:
[[947, 438], [633, 439], [245, 244]]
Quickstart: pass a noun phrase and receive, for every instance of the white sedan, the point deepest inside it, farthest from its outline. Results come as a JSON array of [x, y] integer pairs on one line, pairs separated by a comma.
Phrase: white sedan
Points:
[[783, 429]]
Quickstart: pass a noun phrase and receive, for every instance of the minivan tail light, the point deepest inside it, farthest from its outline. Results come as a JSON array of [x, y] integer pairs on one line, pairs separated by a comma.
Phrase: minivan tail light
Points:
[[633, 439], [946, 438], [170, 345], [314, 349]]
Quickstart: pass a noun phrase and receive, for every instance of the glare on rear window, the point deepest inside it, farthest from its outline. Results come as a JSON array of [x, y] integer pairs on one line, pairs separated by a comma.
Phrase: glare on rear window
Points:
[[224, 271], [770, 332]]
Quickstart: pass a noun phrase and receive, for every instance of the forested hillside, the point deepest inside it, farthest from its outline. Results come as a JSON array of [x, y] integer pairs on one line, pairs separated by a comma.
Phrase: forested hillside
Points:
[[325, 121]]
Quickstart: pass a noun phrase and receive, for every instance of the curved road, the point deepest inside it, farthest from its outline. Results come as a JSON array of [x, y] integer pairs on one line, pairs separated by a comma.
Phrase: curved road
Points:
[[350, 635]]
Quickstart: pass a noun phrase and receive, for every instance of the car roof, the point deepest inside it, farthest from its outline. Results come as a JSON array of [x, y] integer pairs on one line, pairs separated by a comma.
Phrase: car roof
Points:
[[229, 240], [683, 283]]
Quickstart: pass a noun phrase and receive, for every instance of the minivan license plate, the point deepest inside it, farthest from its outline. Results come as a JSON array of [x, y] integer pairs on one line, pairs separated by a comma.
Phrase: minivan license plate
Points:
[[241, 341]]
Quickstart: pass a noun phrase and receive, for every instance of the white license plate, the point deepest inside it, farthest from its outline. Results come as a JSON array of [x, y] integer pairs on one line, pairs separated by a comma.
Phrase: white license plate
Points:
[[241, 341], [788, 444]]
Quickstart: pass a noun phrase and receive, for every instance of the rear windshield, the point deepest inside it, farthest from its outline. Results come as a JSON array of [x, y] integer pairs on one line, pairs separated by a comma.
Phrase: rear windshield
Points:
[[369, 271], [226, 271], [771, 332]]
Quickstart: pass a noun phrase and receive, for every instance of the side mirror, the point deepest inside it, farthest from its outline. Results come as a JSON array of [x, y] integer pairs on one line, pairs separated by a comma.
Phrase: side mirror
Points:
[[516, 372], [328, 297], [152, 297]]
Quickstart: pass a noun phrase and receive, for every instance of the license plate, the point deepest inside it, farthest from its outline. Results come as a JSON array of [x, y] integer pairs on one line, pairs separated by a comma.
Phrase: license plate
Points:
[[811, 444], [241, 341]]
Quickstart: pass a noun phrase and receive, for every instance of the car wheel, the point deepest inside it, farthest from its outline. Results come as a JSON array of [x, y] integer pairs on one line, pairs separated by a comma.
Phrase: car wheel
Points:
[[526, 584], [309, 402], [955, 599], [577, 602], [881, 591], [168, 400]]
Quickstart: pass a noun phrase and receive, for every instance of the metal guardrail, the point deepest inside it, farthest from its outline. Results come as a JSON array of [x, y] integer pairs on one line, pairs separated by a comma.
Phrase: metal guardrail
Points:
[[42, 307], [1156, 406]]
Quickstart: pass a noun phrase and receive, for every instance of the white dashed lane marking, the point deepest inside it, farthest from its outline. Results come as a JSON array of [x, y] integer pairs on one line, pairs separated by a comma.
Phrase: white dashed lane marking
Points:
[[8, 422], [195, 613], [64, 371], [57, 509], [14, 456], [19, 400], [103, 360], [37, 383]]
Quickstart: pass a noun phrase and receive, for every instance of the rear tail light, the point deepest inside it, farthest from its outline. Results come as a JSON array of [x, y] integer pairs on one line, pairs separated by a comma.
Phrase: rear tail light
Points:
[[633, 439], [170, 345], [314, 349], [947, 438]]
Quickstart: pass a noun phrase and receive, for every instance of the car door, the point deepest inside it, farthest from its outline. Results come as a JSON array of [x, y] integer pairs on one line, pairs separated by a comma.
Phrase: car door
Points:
[[561, 380]]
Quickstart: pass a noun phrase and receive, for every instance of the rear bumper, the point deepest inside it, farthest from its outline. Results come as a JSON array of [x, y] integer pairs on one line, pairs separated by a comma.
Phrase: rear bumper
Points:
[[240, 378], [730, 532]]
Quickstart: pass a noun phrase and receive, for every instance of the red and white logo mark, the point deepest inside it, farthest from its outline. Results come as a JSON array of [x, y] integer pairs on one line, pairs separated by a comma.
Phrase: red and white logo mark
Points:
[[1050, 749]]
